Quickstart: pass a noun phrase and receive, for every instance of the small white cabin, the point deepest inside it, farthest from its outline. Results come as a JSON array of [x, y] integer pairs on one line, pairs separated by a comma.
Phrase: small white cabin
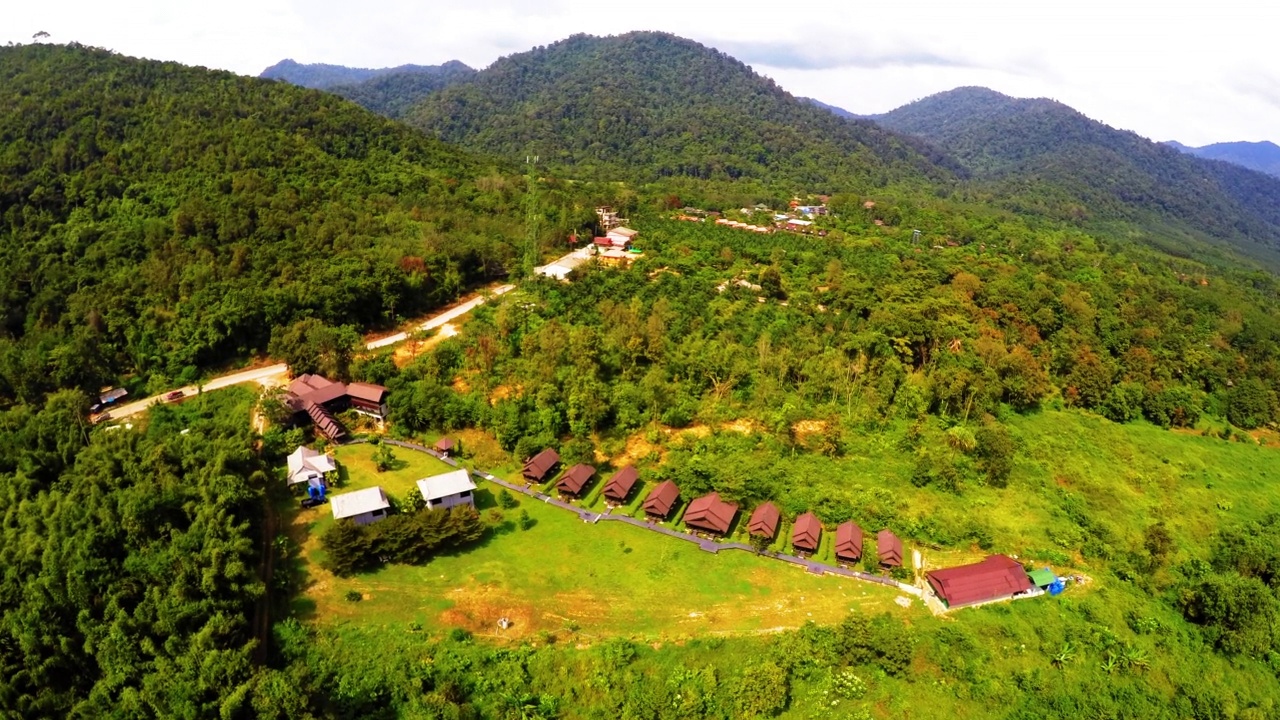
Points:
[[361, 507], [448, 490]]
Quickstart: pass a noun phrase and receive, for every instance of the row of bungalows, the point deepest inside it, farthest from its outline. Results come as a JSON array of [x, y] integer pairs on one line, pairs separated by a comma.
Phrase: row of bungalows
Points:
[[710, 514]]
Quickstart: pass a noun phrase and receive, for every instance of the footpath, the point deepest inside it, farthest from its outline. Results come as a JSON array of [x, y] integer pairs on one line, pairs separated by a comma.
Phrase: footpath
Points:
[[711, 546]]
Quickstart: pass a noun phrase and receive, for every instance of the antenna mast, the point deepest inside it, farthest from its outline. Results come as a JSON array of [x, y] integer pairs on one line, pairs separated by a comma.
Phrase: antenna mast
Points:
[[531, 214]]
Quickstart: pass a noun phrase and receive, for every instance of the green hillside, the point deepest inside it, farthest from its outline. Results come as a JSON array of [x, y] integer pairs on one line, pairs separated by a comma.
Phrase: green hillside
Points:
[[1080, 168], [160, 219], [1054, 367], [321, 76], [394, 94], [650, 105]]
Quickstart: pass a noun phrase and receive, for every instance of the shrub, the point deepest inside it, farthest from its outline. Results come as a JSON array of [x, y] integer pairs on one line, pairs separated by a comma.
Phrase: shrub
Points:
[[354, 596], [506, 500]]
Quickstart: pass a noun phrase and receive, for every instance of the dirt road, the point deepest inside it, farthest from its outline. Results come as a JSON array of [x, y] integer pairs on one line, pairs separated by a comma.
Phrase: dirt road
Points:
[[436, 321], [236, 378], [279, 370]]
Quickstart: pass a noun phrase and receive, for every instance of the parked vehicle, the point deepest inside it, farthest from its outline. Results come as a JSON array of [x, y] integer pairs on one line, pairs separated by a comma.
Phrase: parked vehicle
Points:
[[175, 395]]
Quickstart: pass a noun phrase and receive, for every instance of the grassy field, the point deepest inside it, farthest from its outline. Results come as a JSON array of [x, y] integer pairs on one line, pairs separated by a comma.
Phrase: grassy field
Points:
[[567, 577]]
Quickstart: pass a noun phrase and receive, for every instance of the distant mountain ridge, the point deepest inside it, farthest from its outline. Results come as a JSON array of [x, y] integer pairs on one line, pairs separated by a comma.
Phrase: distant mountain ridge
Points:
[[837, 111], [1261, 156], [1085, 168], [648, 105], [321, 76]]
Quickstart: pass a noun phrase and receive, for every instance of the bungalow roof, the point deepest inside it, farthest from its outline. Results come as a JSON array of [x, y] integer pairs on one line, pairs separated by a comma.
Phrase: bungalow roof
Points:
[[576, 479], [807, 533], [849, 541], [661, 499], [764, 520], [367, 392], [540, 464], [889, 548], [619, 486], [445, 484], [710, 513], [445, 444], [359, 502]]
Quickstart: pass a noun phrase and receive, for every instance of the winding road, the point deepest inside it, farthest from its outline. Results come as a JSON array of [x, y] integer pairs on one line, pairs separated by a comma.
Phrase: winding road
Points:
[[279, 370]]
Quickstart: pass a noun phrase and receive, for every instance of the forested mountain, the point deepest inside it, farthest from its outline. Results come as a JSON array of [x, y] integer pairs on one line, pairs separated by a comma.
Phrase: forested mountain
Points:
[[649, 105], [394, 94], [321, 76], [837, 111], [159, 219], [1063, 162], [1261, 156]]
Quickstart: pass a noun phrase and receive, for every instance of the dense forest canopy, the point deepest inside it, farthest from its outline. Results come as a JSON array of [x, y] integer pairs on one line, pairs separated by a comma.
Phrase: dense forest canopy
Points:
[[1039, 146], [395, 94], [651, 105], [159, 219], [321, 76]]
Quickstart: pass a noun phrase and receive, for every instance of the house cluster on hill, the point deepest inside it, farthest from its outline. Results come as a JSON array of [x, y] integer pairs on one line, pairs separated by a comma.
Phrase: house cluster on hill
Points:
[[315, 399], [709, 515]]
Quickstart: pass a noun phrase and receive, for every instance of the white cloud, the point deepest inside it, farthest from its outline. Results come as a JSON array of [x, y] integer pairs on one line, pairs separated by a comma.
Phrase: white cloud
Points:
[[1196, 73]]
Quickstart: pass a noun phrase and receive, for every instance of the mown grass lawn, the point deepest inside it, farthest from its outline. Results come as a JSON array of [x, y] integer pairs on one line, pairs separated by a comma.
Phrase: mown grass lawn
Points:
[[580, 580]]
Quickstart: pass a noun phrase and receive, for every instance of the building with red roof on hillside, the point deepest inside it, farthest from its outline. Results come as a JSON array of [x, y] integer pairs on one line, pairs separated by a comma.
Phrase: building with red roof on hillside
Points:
[[889, 549], [660, 501], [710, 514], [764, 521], [807, 533], [998, 577], [849, 542]]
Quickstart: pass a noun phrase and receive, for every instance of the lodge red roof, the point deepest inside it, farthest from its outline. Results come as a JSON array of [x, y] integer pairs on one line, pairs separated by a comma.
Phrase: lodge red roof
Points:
[[849, 541], [807, 533], [576, 479], [764, 520], [540, 464], [711, 514], [661, 499], [889, 548], [444, 444], [996, 577], [367, 392], [619, 486]]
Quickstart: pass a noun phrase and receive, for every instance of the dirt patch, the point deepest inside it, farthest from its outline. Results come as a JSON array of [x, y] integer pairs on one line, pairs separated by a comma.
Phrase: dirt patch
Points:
[[477, 608], [638, 447], [806, 428], [460, 385], [410, 349], [746, 426], [503, 392]]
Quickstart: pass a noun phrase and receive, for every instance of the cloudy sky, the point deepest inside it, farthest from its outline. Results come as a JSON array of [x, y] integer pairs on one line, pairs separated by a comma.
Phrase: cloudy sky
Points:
[[1197, 73]]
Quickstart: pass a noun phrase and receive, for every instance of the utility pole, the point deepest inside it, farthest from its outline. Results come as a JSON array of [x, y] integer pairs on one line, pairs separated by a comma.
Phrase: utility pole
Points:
[[531, 215]]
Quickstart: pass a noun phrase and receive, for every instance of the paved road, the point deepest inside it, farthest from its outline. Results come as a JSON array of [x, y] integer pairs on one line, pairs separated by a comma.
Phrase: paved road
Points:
[[436, 321], [244, 376]]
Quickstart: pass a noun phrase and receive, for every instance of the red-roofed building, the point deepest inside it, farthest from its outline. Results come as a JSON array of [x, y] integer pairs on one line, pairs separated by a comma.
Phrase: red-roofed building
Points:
[[889, 549], [807, 533], [317, 398], [658, 505], [764, 521], [710, 514], [576, 480], [619, 486], [849, 542], [540, 465], [998, 577]]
